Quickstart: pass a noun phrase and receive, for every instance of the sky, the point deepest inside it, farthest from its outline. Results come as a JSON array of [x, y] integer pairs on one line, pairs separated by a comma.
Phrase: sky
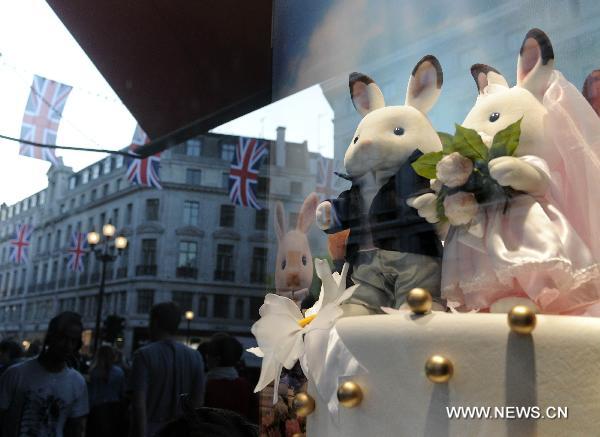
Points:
[[50, 51]]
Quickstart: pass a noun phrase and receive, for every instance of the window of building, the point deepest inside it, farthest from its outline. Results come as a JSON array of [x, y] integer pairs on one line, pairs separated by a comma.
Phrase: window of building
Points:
[[115, 217], [48, 242], [239, 309], [191, 212], [152, 206], [225, 180], [118, 184], [145, 300], [224, 270], [82, 200], [258, 273], [188, 254], [119, 161], [93, 195], [184, 300], [68, 234], [106, 166], [193, 177], [296, 187], [95, 171], [85, 176], [227, 151], [261, 219], [193, 147], [128, 213], [262, 185], [72, 182], [148, 252], [221, 306], [72, 204], [58, 239], [227, 218], [202, 306], [105, 190]]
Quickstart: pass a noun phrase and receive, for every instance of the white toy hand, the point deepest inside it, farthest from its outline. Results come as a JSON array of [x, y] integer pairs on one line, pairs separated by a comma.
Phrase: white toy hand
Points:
[[515, 173], [323, 215], [425, 206]]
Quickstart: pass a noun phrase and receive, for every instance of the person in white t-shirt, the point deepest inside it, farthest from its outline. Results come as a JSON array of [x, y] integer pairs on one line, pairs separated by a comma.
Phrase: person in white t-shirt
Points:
[[43, 397]]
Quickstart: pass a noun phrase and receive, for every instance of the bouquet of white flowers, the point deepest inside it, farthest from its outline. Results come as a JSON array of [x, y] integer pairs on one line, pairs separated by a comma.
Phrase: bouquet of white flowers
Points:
[[460, 176]]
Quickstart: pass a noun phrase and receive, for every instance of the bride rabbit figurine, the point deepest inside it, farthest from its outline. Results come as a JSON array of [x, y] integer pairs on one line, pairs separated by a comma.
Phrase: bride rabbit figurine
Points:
[[390, 248], [543, 248]]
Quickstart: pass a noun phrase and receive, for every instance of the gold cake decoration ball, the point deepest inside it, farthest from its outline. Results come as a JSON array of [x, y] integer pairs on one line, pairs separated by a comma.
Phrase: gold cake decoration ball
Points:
[[298, 434], [303, 404], [439, 369], [349, 394], [419, 300], [522, 319]]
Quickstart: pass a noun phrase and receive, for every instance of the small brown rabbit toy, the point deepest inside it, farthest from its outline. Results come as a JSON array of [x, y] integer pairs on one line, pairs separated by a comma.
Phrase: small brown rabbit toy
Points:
[[294, 265]]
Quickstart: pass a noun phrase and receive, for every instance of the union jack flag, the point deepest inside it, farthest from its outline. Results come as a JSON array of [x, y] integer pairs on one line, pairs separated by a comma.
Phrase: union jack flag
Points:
[[243, 173], [19, 245], [325, 178], [143, 171], [77, 251], [42, 116]]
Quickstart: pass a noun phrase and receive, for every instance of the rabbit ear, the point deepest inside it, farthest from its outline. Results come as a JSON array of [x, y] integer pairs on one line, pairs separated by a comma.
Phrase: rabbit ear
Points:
[[307, 212], [366, 95], [536, 63], [280, 224], [485, 75], [425, 84]]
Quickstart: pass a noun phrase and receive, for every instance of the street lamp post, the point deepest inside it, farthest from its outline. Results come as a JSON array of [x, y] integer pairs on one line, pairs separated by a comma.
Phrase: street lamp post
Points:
[[189, 315], [105, 254]]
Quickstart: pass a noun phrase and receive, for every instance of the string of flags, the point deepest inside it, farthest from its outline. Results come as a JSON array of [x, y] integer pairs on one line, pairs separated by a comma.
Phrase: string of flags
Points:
[[43, 114]]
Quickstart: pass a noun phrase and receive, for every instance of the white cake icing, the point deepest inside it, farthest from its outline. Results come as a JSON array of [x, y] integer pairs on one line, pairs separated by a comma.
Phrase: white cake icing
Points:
[[558, 365]]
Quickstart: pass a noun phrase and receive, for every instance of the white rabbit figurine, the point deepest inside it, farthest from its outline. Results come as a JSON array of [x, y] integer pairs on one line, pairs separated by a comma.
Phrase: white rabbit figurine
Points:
[[294, 264], [535, 252], [390, 248]]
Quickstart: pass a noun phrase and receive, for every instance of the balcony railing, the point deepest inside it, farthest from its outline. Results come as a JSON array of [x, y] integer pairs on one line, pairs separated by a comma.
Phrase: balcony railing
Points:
[[51, 285], [83, 279], [146, 270], [31, 288], [122, 272], [62, 283], [20, 290], [187, 272], [224, 275], [71, 281], [95, 278]]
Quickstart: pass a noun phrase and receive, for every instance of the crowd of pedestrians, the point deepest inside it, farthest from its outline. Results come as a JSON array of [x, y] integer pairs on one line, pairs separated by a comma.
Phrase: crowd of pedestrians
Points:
[[169, 390]]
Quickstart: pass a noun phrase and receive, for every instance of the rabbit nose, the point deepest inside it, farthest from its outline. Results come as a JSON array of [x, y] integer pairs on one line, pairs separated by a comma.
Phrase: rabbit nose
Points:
[[293, 280]]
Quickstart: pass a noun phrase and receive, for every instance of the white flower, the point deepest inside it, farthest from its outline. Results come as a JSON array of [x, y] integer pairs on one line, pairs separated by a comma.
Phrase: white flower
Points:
[[454, 170], [460, 208], [279, 331], [436, 185]]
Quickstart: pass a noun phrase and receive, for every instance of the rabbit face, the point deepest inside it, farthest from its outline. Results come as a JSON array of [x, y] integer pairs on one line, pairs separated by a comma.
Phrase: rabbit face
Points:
[[387, 136], [294, 264], [497, 105], [504, 106], [294, 270]]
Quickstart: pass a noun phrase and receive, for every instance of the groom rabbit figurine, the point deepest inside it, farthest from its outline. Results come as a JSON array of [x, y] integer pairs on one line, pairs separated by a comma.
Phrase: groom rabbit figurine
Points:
[[390, 248]]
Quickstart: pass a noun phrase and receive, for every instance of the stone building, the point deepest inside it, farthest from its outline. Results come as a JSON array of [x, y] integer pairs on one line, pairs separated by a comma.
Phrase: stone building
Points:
[[187, 241]]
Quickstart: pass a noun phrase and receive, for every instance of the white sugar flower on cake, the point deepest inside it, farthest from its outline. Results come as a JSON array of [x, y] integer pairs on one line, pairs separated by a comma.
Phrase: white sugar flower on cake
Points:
[[280, 330]]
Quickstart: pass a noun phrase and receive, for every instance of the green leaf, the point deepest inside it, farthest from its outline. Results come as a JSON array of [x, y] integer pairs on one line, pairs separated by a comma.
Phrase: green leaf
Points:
[[506, 141], [447, 141], [425, 165], [469, 144]]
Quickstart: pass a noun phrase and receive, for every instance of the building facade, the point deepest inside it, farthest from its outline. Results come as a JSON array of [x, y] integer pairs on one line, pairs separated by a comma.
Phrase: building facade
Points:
[[187, 242]]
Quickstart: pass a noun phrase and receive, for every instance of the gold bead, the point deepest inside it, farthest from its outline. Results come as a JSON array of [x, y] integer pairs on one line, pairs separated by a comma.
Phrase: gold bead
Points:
[[439, 369], [522, 319], [349, 394], [419, 300], [298, 434], [303, 404]]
